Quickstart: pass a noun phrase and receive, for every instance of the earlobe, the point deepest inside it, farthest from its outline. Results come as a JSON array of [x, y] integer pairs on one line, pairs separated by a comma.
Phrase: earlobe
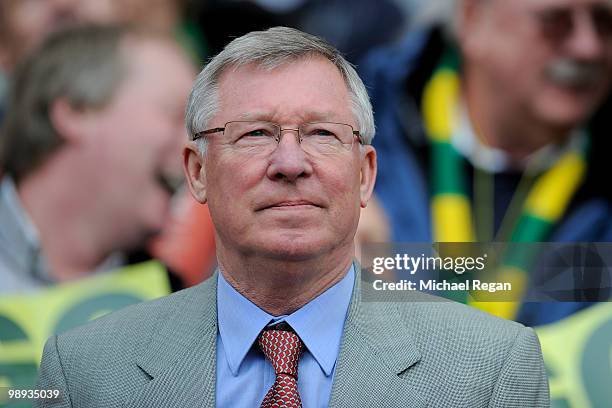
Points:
[[195, 173], [368, 175]]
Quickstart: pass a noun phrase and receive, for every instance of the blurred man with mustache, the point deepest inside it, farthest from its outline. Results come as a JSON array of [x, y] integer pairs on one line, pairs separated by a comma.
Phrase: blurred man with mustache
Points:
[[511, 98], [493, 124]]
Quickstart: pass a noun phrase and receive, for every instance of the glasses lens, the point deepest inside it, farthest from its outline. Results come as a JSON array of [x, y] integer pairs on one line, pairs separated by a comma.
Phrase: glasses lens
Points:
[[251, 134], [325, 137]]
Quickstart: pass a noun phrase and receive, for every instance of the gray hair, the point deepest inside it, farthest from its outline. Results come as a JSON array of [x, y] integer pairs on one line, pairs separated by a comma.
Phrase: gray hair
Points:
[[269, 49], [84, 65]]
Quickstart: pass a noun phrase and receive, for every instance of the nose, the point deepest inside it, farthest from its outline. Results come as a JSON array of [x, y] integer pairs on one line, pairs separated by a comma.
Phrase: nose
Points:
[[288, 162], [584, 42]]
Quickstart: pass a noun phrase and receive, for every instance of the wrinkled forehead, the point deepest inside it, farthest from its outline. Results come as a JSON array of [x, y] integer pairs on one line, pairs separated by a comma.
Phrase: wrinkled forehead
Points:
[[274, 66], [312, 87]]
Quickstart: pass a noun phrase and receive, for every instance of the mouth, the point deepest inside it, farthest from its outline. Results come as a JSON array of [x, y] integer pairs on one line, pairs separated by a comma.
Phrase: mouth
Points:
[[290, 205]]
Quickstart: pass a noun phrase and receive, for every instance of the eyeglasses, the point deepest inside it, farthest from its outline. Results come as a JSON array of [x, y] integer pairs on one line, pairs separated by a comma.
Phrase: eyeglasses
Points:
[[316, 138], [558, 22]]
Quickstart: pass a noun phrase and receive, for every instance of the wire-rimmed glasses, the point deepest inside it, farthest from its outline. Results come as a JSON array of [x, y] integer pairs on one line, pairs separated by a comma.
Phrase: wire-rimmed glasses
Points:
[[263, 137]]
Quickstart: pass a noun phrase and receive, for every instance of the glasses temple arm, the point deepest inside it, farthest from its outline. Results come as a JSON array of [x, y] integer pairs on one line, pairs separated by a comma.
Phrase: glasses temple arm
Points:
[[207, 132]]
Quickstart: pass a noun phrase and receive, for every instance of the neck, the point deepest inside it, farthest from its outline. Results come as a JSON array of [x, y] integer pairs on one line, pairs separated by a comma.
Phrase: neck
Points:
[[501, 124], [281, 287], [65, 218]]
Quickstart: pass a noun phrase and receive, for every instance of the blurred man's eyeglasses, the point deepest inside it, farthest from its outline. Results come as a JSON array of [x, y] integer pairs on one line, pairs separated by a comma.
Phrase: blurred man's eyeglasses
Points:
[[260, 137], [558, 23]]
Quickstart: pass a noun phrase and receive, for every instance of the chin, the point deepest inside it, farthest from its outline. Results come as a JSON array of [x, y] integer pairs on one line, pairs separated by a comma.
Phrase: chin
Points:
[[293, 246], [568, 109], [296, 251]]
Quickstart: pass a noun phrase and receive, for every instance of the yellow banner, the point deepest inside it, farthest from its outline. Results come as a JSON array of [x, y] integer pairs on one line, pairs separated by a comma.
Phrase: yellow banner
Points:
[[578, 355], [27, 321]]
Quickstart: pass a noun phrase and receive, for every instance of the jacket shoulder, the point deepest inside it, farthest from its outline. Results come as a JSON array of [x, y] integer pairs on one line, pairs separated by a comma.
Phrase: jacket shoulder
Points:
[[100, 363], [500, 358], [130, 328], [454, 320]]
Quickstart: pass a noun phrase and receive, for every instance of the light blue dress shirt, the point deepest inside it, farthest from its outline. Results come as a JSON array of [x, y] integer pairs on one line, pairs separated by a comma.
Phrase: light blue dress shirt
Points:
[[244, 376]]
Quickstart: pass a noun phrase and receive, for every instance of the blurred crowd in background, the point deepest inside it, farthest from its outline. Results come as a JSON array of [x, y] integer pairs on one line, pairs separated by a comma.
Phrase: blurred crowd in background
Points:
[[493, 122]]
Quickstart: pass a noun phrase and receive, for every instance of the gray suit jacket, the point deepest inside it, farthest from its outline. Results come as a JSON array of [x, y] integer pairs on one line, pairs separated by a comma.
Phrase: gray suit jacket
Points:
[[410, 354]]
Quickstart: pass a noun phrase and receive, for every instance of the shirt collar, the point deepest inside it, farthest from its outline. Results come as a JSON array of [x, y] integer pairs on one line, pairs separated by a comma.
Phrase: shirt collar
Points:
[[21, 234], [495, 160], [319, 323]]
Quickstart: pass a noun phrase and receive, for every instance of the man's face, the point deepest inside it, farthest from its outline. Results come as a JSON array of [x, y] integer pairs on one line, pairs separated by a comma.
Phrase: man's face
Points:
[[137, 138], [285, 205], [550, 58]]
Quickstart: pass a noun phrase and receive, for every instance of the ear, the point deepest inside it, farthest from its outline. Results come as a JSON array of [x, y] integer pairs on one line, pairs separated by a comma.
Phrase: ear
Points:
[[368, 174], [71, 124], [195, 172]]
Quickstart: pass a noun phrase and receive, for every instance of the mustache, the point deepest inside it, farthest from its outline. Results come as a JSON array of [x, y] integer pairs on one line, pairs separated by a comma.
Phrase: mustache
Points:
[[574, 73]]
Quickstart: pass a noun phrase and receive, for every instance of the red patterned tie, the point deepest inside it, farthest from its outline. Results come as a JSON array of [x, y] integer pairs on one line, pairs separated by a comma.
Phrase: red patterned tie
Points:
[[283, 349]]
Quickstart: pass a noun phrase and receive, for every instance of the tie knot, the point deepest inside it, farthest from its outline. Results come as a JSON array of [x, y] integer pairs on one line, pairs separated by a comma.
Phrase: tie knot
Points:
[[283, 349]]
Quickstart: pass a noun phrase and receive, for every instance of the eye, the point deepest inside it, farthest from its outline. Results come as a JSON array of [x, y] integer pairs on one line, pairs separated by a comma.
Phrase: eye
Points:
[[324, 135], [258, 133], [321, 132], [602, 17], [555, 23], [249, 133]]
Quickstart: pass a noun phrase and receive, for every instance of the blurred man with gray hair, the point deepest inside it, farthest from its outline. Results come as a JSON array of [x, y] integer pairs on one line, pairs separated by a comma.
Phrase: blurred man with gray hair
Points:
[[280, 149], [89, 148]]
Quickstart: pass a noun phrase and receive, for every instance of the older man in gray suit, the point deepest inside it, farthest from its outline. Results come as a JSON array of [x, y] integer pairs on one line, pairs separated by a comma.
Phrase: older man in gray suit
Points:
[[281, 127]]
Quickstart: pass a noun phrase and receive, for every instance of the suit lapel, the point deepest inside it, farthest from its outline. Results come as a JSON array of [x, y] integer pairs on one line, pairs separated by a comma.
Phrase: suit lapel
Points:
[[376, 357], [181, 357]]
